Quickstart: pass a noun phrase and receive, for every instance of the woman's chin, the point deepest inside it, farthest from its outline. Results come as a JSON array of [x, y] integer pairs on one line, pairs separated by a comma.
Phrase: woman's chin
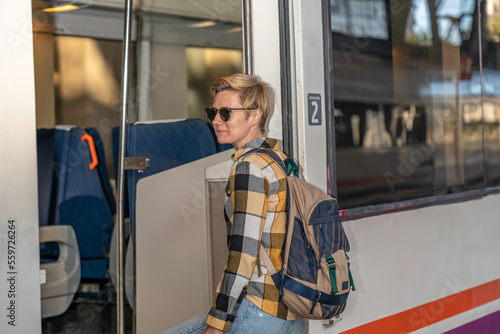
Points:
[[222, 140]]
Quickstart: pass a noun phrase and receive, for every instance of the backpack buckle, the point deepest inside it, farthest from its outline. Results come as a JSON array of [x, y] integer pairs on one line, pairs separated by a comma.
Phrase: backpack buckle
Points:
[[315, 301]]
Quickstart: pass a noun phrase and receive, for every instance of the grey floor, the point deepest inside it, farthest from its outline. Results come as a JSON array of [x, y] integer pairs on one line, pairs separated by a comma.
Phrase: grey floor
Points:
[[89, 313]]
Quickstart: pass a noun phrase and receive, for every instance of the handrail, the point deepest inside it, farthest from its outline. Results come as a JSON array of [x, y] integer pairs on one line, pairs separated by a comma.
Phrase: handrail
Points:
[[286, 78], [120, 244], [247, 37], [92, 149]]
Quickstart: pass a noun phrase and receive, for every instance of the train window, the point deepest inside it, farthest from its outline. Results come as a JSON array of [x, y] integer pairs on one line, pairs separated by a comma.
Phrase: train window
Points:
[[412, 106], [490, 91], [87, 86], [204, 66], [190, 53], [359, 18], [170, 62]]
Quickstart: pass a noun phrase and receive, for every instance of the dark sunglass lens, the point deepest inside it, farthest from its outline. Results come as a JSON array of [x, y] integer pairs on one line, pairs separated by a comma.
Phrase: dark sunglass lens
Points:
[[211, 112], [225, 113]]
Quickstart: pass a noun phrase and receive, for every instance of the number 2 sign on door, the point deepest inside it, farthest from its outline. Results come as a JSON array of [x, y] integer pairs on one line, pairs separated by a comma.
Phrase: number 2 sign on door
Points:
[[314, 114]]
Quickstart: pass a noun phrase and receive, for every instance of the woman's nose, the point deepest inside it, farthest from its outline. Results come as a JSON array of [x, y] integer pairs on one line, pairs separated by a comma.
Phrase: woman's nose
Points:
[[217, 120]]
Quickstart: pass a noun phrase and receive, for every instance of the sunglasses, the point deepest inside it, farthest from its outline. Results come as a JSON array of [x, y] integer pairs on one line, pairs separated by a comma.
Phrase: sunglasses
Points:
[[224, 113]]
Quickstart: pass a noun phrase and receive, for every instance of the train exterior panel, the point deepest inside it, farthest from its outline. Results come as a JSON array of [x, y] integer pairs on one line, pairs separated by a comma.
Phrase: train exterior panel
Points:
[[435, 270], [19, 259]]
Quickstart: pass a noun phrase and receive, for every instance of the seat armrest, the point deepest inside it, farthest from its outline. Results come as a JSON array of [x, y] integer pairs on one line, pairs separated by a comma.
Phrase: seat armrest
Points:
[[63, 275]]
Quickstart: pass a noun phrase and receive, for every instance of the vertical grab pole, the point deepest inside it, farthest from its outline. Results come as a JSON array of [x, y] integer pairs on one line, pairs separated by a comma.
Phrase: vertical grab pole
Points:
[[120, 309], [331, 167], [286, 89], [247, 37]]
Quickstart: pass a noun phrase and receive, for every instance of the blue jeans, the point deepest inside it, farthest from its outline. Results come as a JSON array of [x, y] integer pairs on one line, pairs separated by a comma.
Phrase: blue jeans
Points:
[[249, 320]]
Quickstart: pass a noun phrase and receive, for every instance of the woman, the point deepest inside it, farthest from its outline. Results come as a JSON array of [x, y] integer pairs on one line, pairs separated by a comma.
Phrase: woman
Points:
[[255, 212]]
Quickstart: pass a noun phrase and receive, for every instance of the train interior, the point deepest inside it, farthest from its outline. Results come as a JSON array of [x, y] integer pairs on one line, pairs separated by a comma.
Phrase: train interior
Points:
[[180, 51], [415, 106]]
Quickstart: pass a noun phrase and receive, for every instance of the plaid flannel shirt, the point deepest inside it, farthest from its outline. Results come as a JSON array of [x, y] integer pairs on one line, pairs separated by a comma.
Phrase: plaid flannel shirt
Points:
[[255, 212]]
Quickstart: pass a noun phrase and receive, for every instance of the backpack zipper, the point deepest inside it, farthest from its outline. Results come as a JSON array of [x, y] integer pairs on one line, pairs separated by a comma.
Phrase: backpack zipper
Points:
[[324, 244]]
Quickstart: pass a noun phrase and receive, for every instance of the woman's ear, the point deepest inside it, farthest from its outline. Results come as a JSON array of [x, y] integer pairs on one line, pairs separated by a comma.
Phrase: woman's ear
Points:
[[257, 115]]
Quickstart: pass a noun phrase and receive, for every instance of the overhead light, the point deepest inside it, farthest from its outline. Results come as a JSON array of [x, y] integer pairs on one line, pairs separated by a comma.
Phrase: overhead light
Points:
[[203, 24], [233, 30], [64, 8]]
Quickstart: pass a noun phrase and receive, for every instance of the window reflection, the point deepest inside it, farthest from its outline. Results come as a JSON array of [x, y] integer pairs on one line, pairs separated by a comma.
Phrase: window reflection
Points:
[[493, 20], [411, 107], [418, 30], [491, 90], [359, 18]]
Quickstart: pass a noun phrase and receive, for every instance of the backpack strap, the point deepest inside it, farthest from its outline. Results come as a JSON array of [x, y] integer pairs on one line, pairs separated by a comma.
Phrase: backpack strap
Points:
[[313, 295], [270, 154], [275, 275], [267, 261], [262, 252], [287, 166]]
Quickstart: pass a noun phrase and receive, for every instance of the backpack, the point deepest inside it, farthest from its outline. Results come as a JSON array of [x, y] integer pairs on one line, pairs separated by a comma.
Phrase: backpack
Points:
[[315, 279]]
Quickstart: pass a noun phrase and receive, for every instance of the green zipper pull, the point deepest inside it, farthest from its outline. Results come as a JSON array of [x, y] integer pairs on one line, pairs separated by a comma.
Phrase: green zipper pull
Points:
[[291, 166], [333, 278]]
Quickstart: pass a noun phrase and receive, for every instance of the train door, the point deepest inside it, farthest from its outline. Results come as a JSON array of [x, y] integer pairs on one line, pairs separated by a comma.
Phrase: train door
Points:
[[177, 49]]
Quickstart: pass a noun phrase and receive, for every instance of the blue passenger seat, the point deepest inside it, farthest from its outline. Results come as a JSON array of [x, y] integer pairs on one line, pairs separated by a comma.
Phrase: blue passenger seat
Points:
[[102, 168], [46, 151], [83, 196], [167, 144], [46, 178]]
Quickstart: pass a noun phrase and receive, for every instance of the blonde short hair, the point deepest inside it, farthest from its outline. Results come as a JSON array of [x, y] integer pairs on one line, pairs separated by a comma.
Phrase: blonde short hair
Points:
[[254, 93]]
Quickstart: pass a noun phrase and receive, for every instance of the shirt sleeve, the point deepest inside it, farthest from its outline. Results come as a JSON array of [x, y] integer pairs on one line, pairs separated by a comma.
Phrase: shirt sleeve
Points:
[[249, 192]]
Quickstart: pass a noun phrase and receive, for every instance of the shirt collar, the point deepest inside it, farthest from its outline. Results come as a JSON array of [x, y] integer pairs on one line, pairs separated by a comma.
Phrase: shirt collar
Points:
[[259, 142]]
